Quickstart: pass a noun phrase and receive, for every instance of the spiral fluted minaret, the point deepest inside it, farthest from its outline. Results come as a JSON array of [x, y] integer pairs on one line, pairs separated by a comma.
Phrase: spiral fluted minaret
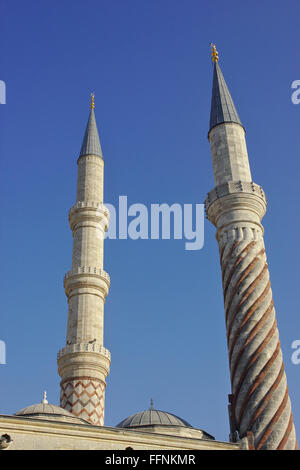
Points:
[[83, 363], [260, 406]]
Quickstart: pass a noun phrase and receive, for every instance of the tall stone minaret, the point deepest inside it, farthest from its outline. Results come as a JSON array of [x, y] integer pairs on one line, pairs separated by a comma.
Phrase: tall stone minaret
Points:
[[83, 364], [259, 403]]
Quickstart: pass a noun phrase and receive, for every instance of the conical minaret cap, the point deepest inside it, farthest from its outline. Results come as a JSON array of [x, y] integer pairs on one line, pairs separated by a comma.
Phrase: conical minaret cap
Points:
[[222, 105], [91, 142]]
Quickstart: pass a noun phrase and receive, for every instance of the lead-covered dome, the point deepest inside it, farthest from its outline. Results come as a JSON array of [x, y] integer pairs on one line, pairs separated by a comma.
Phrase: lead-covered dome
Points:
[[45, 410], [152, 417], [162, 422]]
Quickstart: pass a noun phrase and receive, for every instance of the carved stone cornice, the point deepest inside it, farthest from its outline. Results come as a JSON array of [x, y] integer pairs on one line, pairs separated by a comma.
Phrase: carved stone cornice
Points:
[[88, 212], [87, 277], [235, 201]]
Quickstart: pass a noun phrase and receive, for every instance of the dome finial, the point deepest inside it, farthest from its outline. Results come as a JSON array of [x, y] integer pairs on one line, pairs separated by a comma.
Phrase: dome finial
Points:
[[214, 53], [151, 404], [92, 100], [44, 400]]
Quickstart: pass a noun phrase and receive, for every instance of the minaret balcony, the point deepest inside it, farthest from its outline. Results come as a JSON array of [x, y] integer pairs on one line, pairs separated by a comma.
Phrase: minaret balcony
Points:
[[89, 212], [87, 279], [234, 201], [84, 347], [83, 361]]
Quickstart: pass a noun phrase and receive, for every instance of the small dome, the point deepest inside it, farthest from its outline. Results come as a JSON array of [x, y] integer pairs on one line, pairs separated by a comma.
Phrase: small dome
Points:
[[152, 417], [45, 410]]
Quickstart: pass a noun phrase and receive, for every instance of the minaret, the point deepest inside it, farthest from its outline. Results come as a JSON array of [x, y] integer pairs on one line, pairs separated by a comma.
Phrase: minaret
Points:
[[83, 364], [259, 403]]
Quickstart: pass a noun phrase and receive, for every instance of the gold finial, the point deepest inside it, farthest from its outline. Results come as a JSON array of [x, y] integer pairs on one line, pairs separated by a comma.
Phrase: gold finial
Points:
[[92, 100], [214, 53]]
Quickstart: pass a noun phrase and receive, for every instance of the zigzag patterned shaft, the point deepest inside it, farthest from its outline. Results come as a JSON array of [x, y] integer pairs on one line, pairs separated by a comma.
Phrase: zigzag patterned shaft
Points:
[[260, 395], [84, 397]]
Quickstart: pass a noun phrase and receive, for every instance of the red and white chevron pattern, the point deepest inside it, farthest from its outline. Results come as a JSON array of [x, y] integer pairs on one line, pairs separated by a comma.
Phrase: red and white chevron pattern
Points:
[[84, 397], [260, 402]]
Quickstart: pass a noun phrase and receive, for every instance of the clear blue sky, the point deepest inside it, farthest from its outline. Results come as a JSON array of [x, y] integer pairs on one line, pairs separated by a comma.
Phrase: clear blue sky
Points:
[[148, 63]]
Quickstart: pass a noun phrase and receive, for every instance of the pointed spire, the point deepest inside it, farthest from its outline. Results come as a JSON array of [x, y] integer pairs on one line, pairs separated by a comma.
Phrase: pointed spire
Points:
[[222, 106], [91, 142]]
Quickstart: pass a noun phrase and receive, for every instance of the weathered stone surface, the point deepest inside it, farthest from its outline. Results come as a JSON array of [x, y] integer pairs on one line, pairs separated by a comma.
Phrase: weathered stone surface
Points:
[[84, 362], [259, 407], [229, 153], [37, 434], [259, 401]]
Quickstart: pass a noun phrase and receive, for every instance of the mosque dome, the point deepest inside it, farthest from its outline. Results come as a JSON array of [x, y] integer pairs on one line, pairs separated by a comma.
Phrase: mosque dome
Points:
[[162, 422], [45, 410], [152, 417]]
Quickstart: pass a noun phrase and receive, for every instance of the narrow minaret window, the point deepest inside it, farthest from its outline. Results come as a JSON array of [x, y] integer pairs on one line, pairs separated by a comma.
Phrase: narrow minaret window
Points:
[[259, 402], [83, 364]]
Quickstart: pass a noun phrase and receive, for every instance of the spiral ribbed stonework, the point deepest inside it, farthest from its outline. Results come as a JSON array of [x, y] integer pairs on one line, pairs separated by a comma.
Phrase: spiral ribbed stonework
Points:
[[260, 407], [259, 401]]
